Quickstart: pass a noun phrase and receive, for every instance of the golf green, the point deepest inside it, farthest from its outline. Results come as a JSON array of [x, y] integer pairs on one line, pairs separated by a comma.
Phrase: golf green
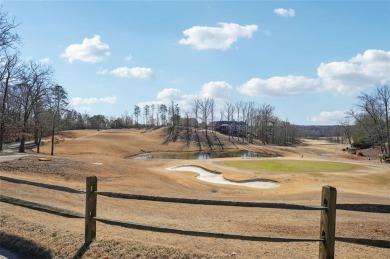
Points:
[[289, 165]]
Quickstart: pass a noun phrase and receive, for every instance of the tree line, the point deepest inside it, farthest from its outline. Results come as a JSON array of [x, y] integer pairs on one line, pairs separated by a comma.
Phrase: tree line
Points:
[[247, 121]]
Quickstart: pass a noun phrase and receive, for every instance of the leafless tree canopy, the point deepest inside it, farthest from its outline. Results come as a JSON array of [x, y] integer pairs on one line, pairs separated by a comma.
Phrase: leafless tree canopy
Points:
[[27, 102], [8, 36], [9, 62], [372, 117]]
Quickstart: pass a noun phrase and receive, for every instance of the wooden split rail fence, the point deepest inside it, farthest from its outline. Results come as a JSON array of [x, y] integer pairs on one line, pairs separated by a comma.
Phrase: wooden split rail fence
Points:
[[327, 221]]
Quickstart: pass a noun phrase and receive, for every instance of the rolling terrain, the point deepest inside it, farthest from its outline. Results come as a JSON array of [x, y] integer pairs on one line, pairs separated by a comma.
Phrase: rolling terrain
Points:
[[363, 219]]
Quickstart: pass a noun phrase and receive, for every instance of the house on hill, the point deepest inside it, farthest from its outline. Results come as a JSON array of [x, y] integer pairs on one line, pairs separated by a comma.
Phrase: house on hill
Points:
[[235, 128]]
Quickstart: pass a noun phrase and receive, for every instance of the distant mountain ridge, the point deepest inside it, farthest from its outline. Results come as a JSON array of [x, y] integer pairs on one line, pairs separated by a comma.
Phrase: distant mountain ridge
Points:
[[319, 130]]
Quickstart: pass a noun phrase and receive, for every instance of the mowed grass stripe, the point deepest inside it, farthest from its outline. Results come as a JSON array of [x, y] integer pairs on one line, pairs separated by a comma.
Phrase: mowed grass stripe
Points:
[[289, 165]]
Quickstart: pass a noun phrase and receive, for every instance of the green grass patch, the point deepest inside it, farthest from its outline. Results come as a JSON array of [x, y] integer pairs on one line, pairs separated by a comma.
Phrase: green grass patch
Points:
[[289, 165]]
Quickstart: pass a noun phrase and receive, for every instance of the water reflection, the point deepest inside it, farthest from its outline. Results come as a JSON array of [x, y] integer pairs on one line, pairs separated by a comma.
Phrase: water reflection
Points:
[[201, 155]]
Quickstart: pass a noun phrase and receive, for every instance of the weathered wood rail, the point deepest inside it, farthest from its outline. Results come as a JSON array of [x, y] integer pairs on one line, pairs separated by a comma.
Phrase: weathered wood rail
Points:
[[326, 237]]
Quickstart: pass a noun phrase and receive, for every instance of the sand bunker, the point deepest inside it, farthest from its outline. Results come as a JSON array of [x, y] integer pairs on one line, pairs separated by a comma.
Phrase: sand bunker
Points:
[[207, 176]]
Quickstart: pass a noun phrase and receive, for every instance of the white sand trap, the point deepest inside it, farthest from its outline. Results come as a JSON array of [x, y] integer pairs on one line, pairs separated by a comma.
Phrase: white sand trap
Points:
[[207, 176]]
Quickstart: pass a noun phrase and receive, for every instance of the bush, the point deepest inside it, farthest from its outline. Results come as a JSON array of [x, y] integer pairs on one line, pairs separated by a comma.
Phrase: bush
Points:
[[361, 144]]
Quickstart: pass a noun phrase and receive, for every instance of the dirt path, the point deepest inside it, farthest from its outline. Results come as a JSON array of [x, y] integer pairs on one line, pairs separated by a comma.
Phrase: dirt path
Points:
[[10, 157]]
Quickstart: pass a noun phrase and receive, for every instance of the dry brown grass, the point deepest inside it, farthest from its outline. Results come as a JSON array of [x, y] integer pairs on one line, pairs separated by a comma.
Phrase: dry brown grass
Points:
[[76, 157]]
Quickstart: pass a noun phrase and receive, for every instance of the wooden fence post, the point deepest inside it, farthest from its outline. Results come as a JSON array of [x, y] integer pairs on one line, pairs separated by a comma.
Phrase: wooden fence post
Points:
[[328, 222], [90, 209]]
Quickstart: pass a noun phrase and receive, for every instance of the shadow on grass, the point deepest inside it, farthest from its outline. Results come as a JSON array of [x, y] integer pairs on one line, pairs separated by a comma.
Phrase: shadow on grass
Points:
[[79, 254], [23, 248], [42, 185], [365, 207], [365, 241]]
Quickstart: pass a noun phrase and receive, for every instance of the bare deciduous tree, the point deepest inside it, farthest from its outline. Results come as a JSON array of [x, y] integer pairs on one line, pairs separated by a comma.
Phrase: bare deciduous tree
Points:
[[34, 84], [146, 114], [266, 121], [372, 114], [205, 107], [238, 106], [137, 111], [383, 95], [163, 114], [173, 129], [347, 130], [60, 102], [229, 114], [195, 109], [9, 63]]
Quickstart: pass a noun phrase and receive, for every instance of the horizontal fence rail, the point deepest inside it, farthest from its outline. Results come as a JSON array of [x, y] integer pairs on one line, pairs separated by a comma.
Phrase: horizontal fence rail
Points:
[[211, 202], [203, 233]]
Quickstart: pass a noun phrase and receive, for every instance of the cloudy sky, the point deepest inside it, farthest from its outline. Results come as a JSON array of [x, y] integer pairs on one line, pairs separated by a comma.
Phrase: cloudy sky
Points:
[[308, 59]]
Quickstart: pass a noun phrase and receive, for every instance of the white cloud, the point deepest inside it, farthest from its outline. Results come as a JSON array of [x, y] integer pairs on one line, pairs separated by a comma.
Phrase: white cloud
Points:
[[108, 99], [202, 37], [374, 63], [329, 118], [350, 77], [168, 94], [91, 50], [285, 12], [279, 86], [341, 77], [216, 90], [134, 72], [79, 101]]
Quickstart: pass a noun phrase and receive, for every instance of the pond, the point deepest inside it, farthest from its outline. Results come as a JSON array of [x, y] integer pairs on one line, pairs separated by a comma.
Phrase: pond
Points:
[[215, 178], [201, 155]]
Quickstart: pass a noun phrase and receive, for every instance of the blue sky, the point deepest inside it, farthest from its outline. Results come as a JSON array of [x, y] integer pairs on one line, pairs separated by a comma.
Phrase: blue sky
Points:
[[308, 59]]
